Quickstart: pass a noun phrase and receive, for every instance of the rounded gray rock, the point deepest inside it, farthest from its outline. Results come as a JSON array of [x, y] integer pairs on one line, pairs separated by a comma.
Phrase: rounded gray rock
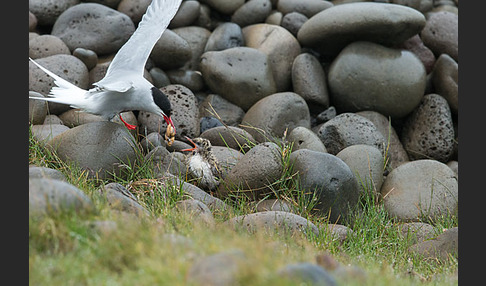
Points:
[[76, 117], [186, 15], [442, 247], [47, 45], [368, 76], [252, 12], [89, 58], [241, 75], [420, 189], [224, 6], [293, 21], [197, 37], [37, 172], [367, 164], [196, 211], [227, 158], [134, 8], [305, 7], [51, 197], [330, 30], [428, 133], [159, 77], [44, 133], [171, 51], [151, 141], [224, 36], [254, 172], [304, 138], [329, 179], [191, 79], [271, 116], [279, 45], [47, 11], [232, 137], [348, 129], [279, 221], [441, 34], [93, 26], [217, 106], [395, 153], [416, 231], [37, 109], [445, 78], [425, 55], [119, 198], [185, 113], [306, 273], [101, 148], [309, 79]]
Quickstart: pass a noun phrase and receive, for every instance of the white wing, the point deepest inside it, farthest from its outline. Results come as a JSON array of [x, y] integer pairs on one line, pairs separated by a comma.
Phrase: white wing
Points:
[[133, 55]]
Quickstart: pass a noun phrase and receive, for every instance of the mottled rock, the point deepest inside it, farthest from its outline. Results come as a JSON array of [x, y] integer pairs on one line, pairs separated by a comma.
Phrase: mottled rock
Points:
[[134, 8], [185, 113], [348, 129], [428, 133], [330, 30], [93, 26], [279, 45], [368, 76], [241, 75], [47, 11], [420, 189], [329, 179], [271, 116]]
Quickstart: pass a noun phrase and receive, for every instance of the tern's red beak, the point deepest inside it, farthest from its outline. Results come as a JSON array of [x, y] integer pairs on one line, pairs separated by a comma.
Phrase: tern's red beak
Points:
[[168, 120], [192, 142]]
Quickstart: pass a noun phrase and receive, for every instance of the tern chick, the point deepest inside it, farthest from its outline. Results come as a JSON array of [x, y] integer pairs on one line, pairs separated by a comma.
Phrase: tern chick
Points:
[[202, 165]]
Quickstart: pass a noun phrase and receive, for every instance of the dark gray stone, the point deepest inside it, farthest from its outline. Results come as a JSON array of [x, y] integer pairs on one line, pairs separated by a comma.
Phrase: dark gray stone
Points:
[[273, 221], [219, 107], [309, 79], [89, 58], [368, 76], [252, 12], [306, 7], [44, 172], [293, 21], [420, 189], [241, 75], [171, 51], [186, 15], [279, 45], [330, 30], [253, 173], [441, 34], [445, 78], [304, 138], [119, 198], [226, 35], [209, 122], [93, 26], [101, 148], [271, 116], [348, 129], [329, 179], [53, 197], [197, 37], [232, 137]]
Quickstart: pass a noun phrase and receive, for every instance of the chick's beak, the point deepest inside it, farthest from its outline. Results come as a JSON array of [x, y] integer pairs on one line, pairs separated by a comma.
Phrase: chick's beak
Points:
[[168, 120], [192, 142]]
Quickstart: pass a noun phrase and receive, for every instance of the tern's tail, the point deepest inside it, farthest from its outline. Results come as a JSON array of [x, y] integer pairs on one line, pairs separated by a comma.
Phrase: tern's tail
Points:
[[64, 92]]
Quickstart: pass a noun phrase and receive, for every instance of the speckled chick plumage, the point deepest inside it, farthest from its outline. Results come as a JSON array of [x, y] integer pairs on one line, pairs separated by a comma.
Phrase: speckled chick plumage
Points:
[[202, 165]]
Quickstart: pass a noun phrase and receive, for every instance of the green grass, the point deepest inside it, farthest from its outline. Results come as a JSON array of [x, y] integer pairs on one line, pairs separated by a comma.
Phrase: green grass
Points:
[[66, 250]]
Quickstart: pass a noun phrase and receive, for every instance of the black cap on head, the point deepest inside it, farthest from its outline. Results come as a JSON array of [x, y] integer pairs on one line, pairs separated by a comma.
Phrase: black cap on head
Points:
[[161, 100]]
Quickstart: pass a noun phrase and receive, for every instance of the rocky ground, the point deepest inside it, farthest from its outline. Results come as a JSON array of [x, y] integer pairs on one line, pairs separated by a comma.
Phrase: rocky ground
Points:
[[353, 85]]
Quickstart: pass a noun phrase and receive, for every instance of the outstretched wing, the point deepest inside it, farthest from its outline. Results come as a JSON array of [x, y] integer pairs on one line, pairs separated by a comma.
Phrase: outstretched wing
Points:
[[133, 55]]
